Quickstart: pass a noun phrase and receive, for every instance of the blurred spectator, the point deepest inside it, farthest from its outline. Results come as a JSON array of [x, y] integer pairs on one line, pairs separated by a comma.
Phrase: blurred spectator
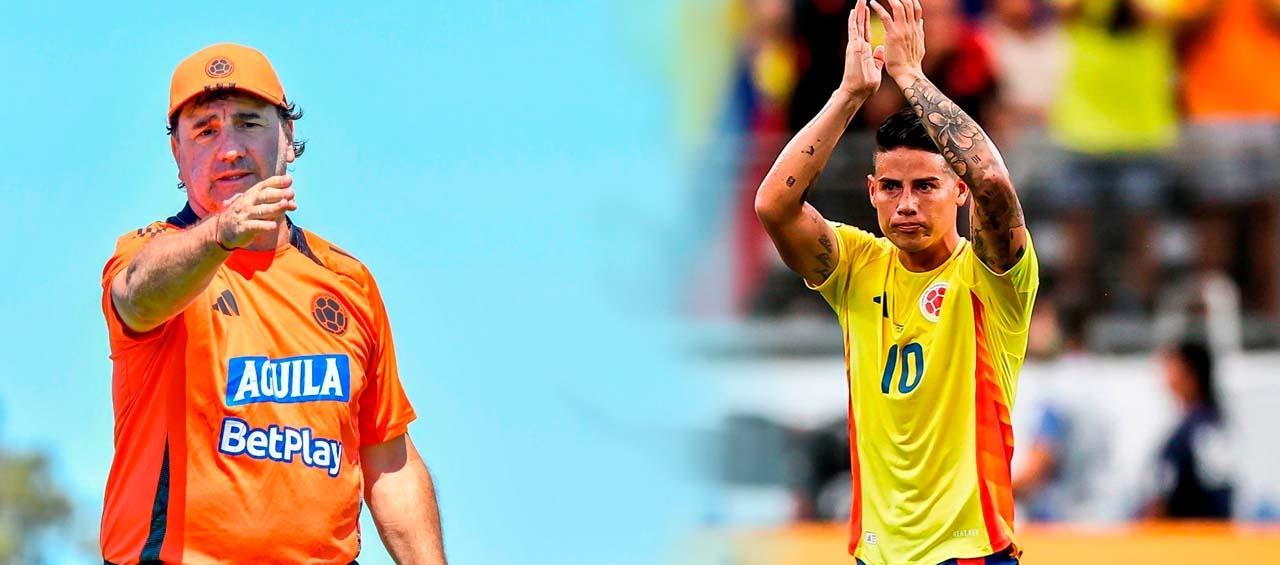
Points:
[[1231, 148], [821, 32], [958, 58], [1037, 475], [1036, 465], [1115, 117], [974, 9], [825, 482], [763, 86], [1030, 54], [1193, 477], [1059, 448]]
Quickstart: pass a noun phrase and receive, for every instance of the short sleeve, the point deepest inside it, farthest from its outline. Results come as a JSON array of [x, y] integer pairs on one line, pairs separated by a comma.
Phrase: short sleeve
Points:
[[1010, 296], [127, 247], [385, 412], [851, 245]]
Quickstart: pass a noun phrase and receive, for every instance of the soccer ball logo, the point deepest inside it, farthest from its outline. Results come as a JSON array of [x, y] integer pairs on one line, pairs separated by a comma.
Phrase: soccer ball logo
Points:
[[328, 313], [931, 301], [219, 67]]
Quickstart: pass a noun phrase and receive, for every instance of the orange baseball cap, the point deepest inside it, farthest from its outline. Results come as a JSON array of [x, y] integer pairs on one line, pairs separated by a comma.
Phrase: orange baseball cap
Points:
[[225, 65]]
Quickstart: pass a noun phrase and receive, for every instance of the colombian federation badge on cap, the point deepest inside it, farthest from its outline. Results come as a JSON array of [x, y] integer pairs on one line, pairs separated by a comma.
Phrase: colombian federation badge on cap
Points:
[[225, 66], [219, 67], [931, 301]]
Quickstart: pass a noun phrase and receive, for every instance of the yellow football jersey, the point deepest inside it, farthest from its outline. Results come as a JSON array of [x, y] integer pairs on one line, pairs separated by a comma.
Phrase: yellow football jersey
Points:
[[932, 361]]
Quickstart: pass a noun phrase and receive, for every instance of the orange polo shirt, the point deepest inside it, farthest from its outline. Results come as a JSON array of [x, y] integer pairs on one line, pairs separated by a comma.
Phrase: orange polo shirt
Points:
[[239, 422]]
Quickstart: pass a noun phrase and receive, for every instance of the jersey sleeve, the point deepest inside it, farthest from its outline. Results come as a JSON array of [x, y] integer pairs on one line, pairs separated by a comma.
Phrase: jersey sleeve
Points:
[[127, 247], [1011, 295], [1008, 299], [851, 245], [385, 412]]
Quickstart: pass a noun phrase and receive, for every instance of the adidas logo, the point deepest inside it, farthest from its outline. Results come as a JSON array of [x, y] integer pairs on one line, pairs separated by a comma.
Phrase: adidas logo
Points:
[[226, 304]]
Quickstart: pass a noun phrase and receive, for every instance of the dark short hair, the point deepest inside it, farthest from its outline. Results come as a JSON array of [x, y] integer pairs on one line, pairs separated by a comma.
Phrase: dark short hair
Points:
[[1198, 360], [904, 130], [291, 112]]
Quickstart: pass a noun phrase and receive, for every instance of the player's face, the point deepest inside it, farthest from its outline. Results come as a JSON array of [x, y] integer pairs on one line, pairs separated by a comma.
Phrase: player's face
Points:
[[226, 146], [916, 196]]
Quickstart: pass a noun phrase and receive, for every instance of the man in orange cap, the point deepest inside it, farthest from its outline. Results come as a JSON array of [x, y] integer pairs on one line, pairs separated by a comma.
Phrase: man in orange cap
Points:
[[255, 385]]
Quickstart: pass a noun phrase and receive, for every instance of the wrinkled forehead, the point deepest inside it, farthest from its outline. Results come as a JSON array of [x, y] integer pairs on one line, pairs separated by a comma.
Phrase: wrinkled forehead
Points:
[[228, 104], [906, 164]]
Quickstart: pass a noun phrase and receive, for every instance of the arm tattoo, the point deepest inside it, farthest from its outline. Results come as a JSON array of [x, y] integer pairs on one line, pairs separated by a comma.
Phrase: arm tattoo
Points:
[[996, 210], [825, 269]]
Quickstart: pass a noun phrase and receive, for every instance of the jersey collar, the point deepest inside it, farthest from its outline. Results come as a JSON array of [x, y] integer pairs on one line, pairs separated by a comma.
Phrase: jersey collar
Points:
[[187, 217]]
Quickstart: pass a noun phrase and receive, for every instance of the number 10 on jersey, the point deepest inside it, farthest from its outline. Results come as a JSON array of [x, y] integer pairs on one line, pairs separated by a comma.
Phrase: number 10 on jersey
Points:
[[912, 362]]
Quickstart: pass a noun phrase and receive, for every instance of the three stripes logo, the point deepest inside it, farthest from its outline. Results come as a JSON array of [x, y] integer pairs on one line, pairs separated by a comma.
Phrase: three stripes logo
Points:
[[226, 304]]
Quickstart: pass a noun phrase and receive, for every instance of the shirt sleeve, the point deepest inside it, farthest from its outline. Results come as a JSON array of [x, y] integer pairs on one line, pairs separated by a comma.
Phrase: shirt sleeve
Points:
[[851, 245], [1007, 299], [1010, 296], [385, 412], [127, 247]]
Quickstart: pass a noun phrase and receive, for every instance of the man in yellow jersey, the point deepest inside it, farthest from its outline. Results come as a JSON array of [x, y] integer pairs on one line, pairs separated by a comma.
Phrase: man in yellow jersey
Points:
[[935, 325]]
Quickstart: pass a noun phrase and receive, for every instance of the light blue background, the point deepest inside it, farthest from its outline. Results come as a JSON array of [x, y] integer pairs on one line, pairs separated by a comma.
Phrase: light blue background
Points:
[[505, 169]]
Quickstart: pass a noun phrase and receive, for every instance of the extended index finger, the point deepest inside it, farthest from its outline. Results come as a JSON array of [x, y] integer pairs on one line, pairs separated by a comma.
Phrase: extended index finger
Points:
[[271, 194], [277, 181]]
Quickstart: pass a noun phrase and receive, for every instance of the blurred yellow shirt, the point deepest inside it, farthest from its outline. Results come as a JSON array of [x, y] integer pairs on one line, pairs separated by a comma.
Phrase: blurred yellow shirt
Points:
[[1118, 93], [932, 361]]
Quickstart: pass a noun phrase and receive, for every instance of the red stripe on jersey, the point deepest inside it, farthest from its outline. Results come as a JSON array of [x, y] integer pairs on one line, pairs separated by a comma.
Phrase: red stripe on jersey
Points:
[[855, 472], [855, 476], [994, 439]]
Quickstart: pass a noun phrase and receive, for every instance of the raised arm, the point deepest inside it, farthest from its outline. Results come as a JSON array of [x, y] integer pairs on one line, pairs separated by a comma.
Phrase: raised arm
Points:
[[997, 228], [803, 238], [166, 275]]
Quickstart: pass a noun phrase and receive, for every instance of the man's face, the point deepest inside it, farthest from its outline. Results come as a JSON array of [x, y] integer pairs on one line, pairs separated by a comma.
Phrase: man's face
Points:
[[916, 196], [225, 146]]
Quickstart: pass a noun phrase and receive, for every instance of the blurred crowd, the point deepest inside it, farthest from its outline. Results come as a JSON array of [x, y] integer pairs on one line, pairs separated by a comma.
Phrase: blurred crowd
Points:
[[1143, 137]]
